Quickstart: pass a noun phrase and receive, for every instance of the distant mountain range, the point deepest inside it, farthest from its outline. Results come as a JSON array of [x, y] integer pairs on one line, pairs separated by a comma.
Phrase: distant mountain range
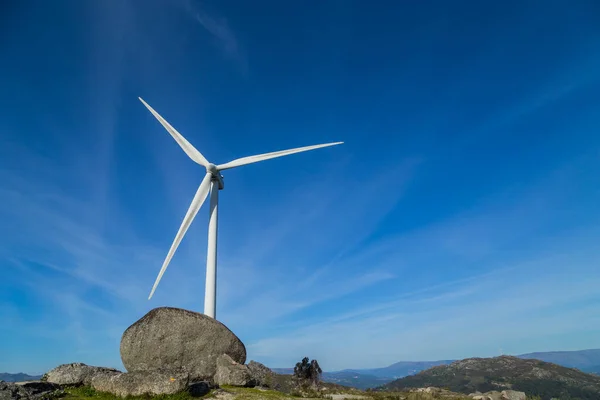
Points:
[[584, 360], [18, 377]]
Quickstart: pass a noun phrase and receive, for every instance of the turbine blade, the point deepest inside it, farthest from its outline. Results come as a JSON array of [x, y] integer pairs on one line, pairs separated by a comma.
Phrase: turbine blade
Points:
[[266, 156], [183, 143], [197, 202]]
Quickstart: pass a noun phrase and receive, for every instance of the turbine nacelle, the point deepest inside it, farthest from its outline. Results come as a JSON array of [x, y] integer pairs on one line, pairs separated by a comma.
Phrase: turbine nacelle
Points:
[[216, 175]]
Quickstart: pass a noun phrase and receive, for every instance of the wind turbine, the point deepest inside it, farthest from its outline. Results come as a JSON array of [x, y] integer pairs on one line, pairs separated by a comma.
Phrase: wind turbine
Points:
[[212, 182]]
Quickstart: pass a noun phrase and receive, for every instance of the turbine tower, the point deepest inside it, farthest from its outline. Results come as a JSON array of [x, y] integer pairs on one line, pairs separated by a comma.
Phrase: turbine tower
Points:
[[212, 183]]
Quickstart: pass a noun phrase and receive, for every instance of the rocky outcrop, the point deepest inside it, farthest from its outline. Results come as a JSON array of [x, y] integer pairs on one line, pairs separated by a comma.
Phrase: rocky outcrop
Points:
[[513, 395], [141, 382], [261, 375], [33, 390], [436, 392], [496, 395], [76, 374], [492, 395], [430, 390], [232, 373], [179, 340]]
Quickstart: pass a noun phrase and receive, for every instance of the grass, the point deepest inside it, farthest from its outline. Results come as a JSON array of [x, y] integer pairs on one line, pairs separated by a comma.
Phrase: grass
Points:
[[239, 393], [87, 393], [253, 393]]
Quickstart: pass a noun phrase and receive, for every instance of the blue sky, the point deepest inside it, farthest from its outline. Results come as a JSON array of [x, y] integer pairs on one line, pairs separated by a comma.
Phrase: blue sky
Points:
[[460, 217]]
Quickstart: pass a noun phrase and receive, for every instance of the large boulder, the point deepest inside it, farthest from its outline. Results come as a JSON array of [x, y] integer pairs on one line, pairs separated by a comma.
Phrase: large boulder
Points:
[[34, 390], [176, 339], [261, 374], [141, 382], [232, 373], [76, 374]]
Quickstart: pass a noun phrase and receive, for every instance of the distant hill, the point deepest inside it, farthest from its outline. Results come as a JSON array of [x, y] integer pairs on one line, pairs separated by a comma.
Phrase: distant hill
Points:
[[533, 377], [354, 379], [394, 371], [18, 377], [345, 378], [580, 359], [585, 360], [402, 368]]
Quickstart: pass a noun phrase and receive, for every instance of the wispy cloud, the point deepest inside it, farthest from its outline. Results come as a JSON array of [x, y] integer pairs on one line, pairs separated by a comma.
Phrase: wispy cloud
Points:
[[511, 269], [473, 318], [91, 278], [219, 28]]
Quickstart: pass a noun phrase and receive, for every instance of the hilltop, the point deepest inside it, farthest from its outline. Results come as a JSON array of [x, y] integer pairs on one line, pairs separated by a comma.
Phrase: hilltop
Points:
[[533, 377]]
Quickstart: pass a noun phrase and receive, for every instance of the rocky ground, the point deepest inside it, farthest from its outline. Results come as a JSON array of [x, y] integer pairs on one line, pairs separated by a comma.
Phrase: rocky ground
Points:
[[30, 390], [48, 391]]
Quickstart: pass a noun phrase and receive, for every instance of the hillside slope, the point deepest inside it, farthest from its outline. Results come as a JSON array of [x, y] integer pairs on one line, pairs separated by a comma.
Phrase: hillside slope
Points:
[[533, 377]]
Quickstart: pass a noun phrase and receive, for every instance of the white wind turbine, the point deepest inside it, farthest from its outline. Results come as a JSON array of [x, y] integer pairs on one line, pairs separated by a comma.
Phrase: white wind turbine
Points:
[[212, 182]]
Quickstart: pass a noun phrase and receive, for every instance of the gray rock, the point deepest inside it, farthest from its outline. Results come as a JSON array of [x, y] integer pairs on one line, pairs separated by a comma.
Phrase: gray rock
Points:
[[76, 374], [261, 375], [494, 395], [176, 339], [231, 373], [198, 389], [33, 390], [220, 394], [141, 382], [513, 395]]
